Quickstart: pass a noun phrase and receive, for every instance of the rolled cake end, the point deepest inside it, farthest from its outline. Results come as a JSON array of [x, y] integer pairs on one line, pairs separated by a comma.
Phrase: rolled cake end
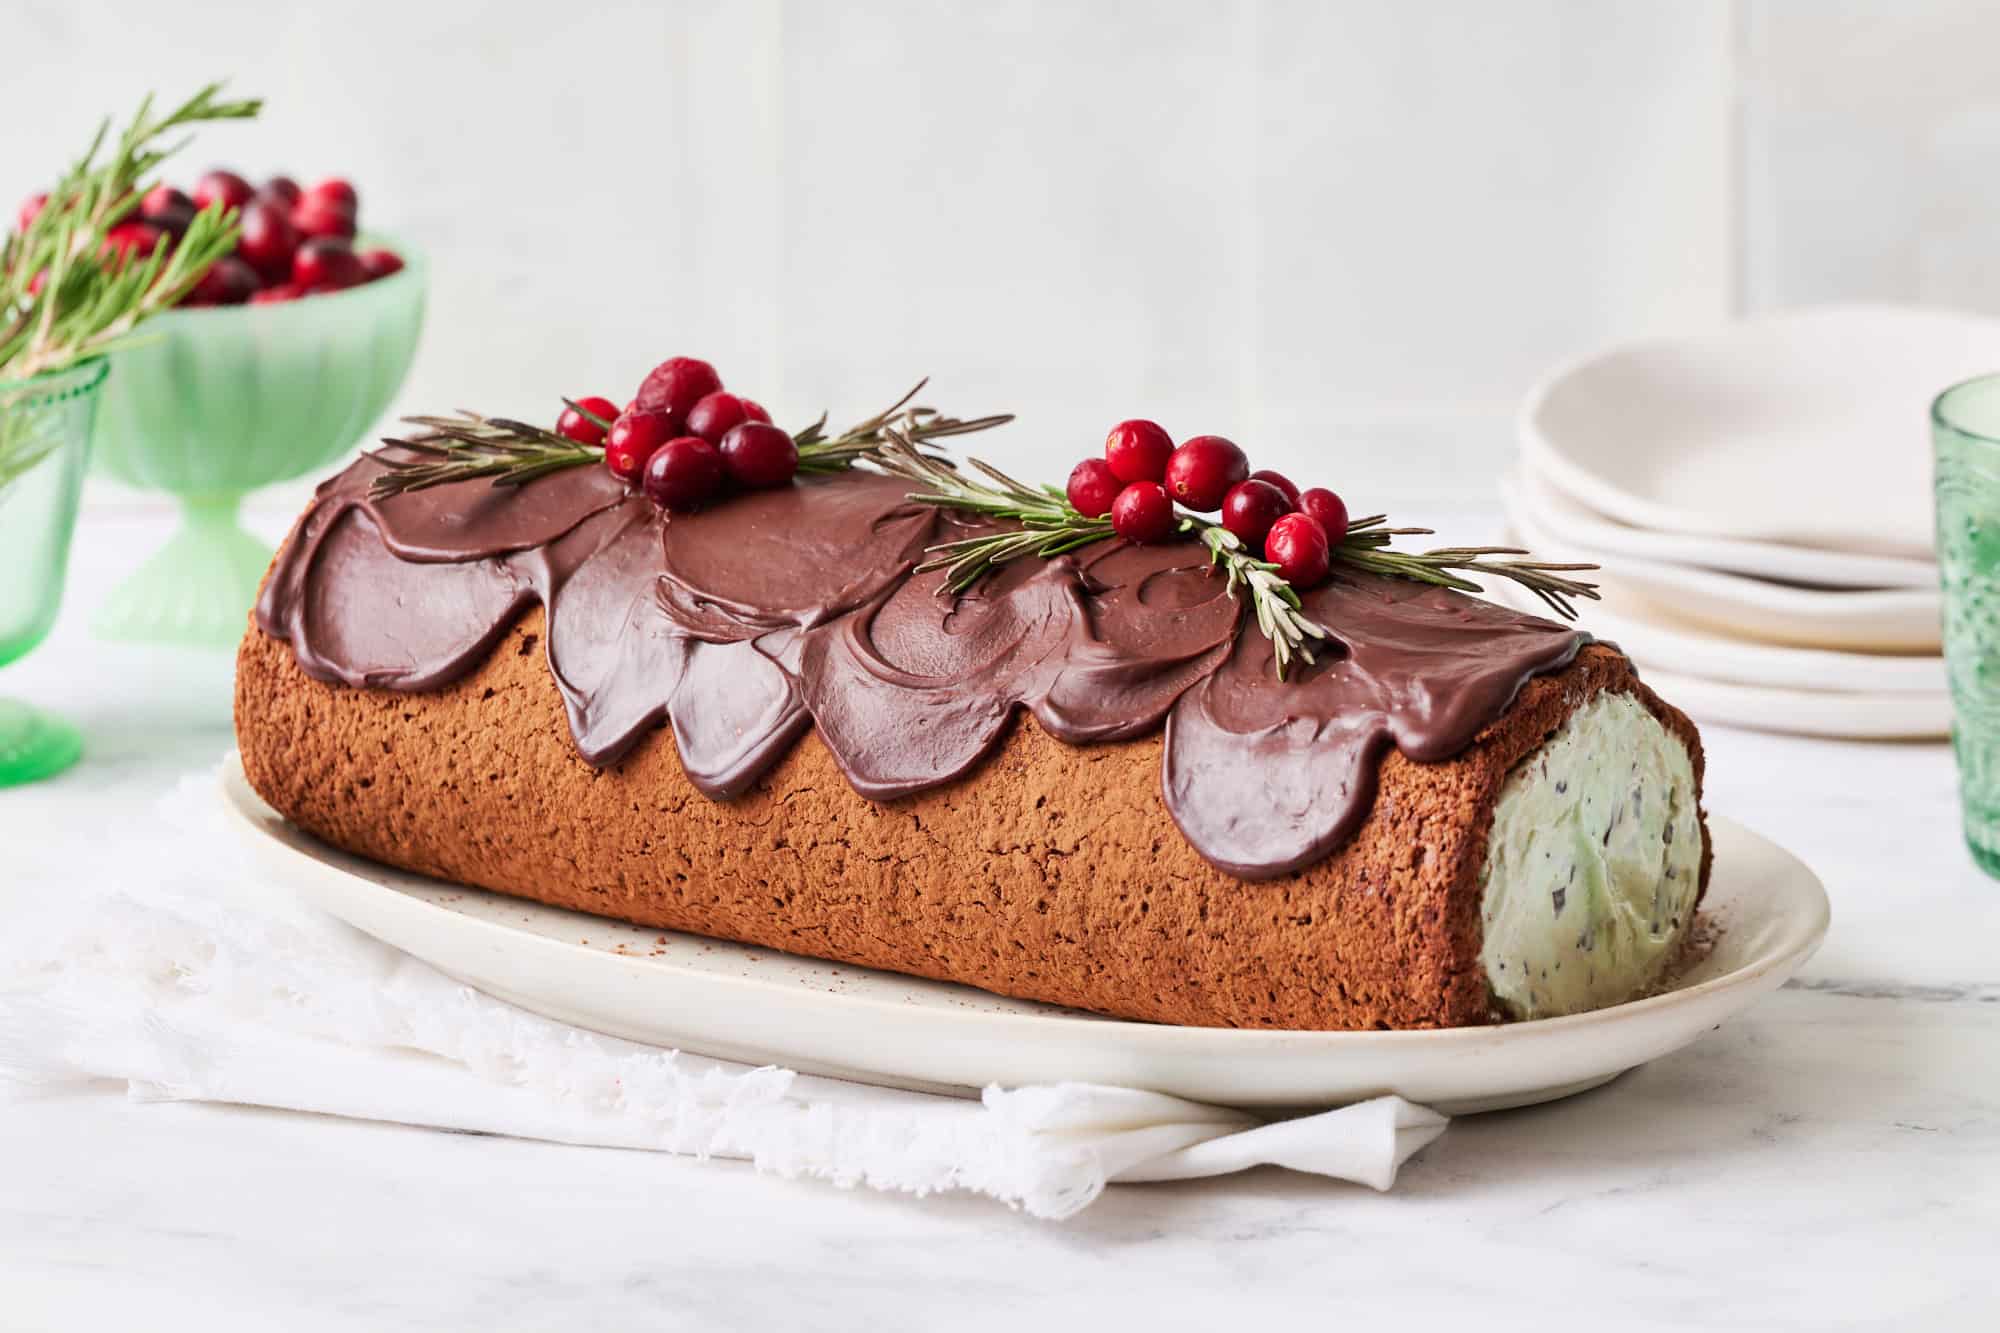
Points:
[[1593, 866]]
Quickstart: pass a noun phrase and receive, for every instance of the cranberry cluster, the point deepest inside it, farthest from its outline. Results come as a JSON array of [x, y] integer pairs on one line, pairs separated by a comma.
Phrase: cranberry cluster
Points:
[[1143, 475], [683, 437], [291, 242]]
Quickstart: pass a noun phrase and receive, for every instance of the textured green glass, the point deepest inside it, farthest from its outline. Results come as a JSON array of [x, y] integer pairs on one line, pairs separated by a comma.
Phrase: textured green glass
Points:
[[1965, 428], [227, 399], [45, 427]]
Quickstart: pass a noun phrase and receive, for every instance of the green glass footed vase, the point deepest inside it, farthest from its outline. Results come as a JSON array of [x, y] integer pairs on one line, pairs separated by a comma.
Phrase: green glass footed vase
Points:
[[45, 429], [1965, 431], [223, 400]]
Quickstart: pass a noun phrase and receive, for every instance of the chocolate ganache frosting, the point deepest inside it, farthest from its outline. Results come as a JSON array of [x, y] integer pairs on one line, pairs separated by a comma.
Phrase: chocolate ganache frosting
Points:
[[742, 625]]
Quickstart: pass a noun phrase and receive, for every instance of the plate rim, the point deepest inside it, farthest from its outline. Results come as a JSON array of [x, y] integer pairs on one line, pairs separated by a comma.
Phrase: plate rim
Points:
[[1791, 711], [1836, 571], [1750, 591], [258, 825], [1896, 622], [1671, 647], [1643, 511]]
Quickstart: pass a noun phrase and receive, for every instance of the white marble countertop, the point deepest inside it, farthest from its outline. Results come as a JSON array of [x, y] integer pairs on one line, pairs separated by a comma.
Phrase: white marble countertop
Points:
[[1830, 1160]]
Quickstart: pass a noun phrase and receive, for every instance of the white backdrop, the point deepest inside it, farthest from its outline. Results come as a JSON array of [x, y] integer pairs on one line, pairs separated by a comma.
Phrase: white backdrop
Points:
[[1347, 234]]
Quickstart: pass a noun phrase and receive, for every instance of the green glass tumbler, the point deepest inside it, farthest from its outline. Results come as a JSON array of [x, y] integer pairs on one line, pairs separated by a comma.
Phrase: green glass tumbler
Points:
[[1965, 430], [45, 425]]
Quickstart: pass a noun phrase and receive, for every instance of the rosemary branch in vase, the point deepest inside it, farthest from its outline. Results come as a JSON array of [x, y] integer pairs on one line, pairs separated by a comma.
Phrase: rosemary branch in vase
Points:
[[66, 295]]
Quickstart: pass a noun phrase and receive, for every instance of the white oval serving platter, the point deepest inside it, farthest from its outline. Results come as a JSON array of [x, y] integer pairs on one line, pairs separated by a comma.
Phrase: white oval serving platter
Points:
[[756, 1005], [1808, 428], [1876, 620]]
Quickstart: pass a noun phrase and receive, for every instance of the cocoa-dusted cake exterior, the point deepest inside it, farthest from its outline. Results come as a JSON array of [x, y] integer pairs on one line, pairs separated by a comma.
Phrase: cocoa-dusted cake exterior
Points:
[[1049, 871]]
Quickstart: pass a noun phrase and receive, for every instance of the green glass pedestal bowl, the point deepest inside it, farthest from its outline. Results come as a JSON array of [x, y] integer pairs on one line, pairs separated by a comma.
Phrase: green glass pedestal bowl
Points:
[[226, 399], [45, 426]]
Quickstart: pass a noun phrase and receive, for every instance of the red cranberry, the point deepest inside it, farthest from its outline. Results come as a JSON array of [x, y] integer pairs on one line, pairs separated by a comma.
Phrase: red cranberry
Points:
[[316, 215], [226, 186], [337, 192], [1282, 482], [1250, 508], [228, 281], [684, 474], [267, 241], [1138, 451], [282, 187], [381, 263], [131, 241], [1329, 509], [716, 415], [1203, 469], [31, 208], [1143, 513], [167, 208], [677, 384], [325, 263], [754, 411], [634, 438], [1093, 486], [160, 196], [759, 454], [574, 425], [283, 291], [1297, 546]]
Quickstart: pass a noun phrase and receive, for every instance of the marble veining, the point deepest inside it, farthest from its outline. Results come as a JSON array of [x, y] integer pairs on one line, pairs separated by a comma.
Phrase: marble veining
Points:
[[1868, 990]]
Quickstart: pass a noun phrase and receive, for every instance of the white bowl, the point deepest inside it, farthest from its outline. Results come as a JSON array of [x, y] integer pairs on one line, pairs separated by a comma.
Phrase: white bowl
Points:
[[1551, 509], [1689, 650], [1884, 620], [1808, 428], [1848, 715]]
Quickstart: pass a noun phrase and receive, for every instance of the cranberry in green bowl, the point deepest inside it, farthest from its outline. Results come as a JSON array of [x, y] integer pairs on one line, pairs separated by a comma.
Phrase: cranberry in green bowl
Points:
[[221, 400]]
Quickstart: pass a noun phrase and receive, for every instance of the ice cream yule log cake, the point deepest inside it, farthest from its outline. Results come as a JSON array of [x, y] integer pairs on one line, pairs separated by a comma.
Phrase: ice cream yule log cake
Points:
[[790, 713]]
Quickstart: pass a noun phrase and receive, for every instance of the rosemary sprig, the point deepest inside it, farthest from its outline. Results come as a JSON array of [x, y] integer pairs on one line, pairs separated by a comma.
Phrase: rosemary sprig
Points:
[[28, 434], [1044, 524], [469, 446], [1366, 548], [1274, 602], [1050, 525], [512, 453], [63, 298], [917, 425]]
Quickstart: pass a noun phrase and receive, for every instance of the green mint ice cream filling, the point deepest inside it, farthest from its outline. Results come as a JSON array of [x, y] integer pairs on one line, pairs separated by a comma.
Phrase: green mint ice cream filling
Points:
[[1593, 865]]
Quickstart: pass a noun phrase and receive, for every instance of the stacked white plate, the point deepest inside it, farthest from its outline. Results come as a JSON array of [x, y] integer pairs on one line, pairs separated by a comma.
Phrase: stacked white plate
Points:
[[1759, 499]]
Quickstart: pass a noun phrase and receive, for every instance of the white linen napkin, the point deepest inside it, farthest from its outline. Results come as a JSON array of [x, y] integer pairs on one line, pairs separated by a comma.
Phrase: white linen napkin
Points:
[[193, 983]]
